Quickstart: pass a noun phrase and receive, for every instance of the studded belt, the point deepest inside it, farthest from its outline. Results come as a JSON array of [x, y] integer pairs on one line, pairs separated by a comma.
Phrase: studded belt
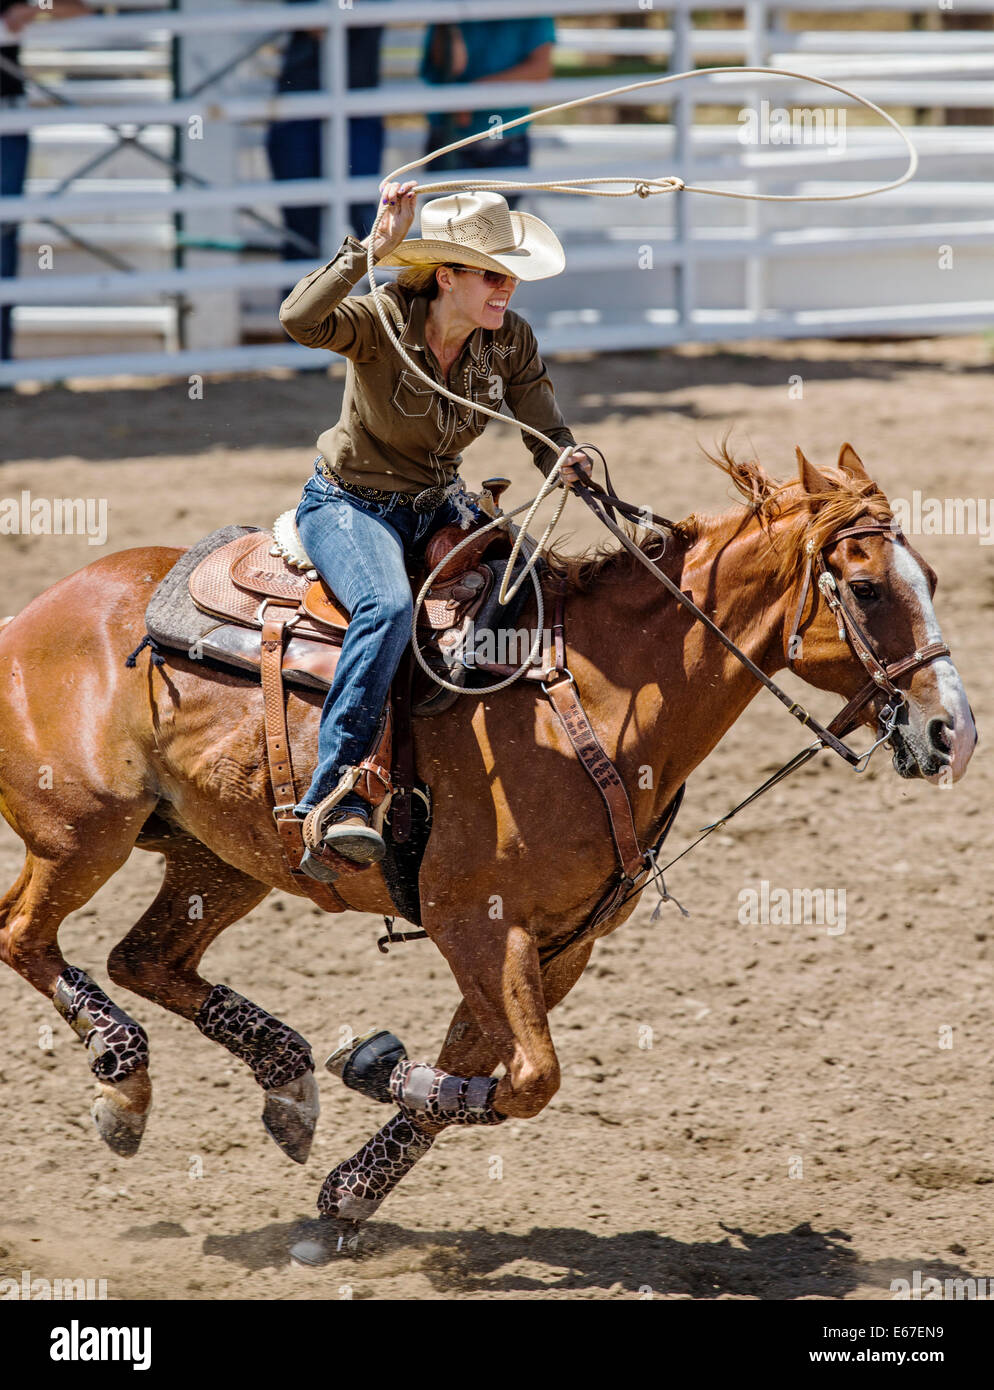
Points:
[[427, 500]]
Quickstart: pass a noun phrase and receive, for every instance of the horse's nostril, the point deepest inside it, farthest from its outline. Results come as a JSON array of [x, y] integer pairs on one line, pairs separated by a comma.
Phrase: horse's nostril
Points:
[[940, 734]]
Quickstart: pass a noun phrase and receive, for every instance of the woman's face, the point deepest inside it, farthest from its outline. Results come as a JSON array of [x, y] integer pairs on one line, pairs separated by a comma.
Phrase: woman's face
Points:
[[468, 295]]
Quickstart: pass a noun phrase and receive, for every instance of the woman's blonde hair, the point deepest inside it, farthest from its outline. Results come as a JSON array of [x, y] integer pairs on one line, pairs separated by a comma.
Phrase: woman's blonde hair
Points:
[[420, 279]]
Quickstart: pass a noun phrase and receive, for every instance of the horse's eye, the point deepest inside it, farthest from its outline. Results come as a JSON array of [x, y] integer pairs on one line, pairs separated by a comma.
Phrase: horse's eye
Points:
[[864, 590]]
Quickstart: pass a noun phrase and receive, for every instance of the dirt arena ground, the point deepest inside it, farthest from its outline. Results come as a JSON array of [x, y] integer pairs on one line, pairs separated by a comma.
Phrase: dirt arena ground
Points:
[[796, 1129]]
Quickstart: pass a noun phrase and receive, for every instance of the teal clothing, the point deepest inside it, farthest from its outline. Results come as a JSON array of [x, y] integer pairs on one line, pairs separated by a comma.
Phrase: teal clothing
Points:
[[492, 45]]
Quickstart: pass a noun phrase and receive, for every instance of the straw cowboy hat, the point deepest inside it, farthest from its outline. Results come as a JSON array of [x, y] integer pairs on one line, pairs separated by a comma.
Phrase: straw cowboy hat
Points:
[[479, 229]]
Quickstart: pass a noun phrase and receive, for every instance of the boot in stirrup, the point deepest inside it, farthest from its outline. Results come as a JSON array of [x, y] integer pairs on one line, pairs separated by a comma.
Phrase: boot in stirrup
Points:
[[349, 834], [339, 841]]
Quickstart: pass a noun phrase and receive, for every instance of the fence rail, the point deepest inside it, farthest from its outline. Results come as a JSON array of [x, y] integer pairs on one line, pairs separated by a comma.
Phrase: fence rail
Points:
[[717, 271]]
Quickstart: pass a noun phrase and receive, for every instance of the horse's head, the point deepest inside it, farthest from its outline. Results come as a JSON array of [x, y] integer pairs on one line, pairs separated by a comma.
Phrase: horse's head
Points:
[[872, 586]]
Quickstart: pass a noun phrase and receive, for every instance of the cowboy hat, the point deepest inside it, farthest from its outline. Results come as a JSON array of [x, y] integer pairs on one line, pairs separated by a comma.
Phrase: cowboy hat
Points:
[[480, 230]]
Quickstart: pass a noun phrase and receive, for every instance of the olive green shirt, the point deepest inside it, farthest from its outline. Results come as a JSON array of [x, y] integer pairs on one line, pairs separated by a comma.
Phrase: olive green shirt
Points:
[[395, 432]]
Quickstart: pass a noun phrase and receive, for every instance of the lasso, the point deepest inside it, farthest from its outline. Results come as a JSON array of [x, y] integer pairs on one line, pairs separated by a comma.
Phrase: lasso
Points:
[[596, 188]]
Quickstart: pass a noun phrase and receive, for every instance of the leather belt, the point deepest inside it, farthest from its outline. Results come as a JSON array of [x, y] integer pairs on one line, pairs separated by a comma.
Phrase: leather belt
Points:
[[428, 500]]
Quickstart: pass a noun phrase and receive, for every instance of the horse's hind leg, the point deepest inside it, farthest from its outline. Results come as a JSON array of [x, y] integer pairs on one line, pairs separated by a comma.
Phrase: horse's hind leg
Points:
[[159, 958], [30, 916]]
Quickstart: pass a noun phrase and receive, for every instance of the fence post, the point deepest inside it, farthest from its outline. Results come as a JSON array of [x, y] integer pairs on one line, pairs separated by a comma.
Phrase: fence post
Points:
[[682, 114], [757, 54]]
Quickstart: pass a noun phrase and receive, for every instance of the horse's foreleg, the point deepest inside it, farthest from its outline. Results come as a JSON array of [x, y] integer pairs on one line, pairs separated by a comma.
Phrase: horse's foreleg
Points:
[[159, 958], [354, 1190]]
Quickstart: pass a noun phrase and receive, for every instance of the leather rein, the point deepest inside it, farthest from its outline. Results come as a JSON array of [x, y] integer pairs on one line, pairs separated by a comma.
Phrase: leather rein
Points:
[[882, 674], [560, 688]]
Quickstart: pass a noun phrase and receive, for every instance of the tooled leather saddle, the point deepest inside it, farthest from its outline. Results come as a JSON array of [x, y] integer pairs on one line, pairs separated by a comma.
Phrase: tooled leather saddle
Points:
[[261, 607], [250, 599]]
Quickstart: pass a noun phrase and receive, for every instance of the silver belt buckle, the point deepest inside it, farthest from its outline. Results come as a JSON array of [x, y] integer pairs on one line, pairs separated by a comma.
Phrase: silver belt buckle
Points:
[[429, 499]]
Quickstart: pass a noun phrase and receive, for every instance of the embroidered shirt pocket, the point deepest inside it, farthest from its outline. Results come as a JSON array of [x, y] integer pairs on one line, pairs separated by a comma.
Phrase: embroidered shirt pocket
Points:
[[412, 396]]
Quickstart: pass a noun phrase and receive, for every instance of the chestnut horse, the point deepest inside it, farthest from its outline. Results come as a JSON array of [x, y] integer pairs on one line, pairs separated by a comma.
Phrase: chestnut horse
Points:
[[171, 758]]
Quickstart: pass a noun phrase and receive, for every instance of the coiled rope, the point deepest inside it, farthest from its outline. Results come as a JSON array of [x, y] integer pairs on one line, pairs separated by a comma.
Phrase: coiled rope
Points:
[[596, 188]]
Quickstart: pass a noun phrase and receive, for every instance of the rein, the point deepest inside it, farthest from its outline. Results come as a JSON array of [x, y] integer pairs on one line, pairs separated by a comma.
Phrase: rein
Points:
[[882, 674], [882, 678]]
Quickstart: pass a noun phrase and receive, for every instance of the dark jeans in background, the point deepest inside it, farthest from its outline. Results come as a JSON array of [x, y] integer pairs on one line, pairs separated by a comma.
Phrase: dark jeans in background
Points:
[[295, 147], [13, 168]]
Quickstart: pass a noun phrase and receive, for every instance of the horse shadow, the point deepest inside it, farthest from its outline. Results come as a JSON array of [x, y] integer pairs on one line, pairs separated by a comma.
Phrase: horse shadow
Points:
[[783, 1265]]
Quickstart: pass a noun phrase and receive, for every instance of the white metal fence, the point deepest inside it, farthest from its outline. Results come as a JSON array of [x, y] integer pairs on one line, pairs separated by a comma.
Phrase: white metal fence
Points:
[[919, 259]]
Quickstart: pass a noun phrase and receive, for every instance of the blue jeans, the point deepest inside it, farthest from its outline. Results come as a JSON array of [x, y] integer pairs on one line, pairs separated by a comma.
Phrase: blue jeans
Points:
[[13, 167], [361, 551]]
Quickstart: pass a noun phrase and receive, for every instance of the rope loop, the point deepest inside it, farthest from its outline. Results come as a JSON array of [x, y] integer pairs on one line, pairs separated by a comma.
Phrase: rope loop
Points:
[[641, 188]]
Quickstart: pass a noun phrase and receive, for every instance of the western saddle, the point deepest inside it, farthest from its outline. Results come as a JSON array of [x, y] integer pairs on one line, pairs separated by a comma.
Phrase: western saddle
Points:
[[275, 615], [268, 611]]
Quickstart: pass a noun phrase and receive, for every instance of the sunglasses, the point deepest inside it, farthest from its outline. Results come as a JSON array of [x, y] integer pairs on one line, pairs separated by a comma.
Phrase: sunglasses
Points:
[[492, 277]]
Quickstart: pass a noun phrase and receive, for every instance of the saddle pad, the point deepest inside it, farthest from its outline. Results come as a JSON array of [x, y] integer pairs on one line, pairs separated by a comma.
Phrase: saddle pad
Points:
[[172, 618]]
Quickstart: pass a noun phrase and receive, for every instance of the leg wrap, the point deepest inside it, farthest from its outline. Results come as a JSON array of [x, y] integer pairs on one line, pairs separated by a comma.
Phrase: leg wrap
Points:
[[276, 1054], [425, 1092], [115, 1044], [356, 1187]]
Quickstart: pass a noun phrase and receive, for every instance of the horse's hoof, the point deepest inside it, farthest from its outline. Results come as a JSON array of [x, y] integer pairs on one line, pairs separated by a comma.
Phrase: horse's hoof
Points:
[[290, 1115], [326, 1240], [120, 1129], [365, 1064]]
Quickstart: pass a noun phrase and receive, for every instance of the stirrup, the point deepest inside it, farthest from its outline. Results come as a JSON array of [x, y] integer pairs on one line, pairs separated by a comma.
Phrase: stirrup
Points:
[[314, 822]]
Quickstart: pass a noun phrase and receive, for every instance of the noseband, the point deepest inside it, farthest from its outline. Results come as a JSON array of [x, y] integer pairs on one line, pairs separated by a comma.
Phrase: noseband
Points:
[[883, 674]]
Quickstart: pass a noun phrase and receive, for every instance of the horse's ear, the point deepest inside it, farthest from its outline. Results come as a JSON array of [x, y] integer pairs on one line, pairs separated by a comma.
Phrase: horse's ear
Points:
[[811, 480], [851, 463]]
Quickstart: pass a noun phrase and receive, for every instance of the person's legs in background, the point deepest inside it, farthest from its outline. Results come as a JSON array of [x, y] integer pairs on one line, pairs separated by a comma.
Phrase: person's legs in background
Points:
[[13, 169], [365, 132], [294, 150]]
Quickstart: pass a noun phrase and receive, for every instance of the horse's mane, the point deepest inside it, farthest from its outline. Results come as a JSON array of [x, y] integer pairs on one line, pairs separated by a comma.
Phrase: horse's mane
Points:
[[783, 510]]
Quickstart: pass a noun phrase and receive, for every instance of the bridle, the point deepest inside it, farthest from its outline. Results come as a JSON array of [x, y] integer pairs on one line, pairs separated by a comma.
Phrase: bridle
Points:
[[883, 674]]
